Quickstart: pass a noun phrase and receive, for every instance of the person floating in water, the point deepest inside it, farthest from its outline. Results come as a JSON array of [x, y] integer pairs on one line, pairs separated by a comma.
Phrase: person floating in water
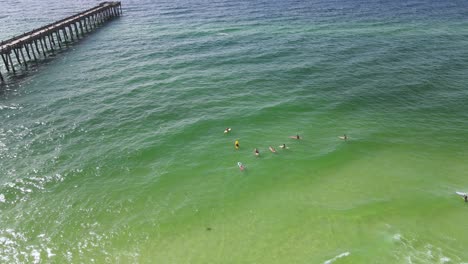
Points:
[[272, 149], [227, 130], [295, 137], [241, 166], [236, 144], [256, 152]]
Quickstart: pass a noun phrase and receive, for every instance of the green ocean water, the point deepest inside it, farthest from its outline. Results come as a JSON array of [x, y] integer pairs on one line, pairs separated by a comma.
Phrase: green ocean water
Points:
[[113, 151]]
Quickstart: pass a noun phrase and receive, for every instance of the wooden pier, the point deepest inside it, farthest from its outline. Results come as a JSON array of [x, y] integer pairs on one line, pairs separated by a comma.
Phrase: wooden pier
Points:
[[54, 36]]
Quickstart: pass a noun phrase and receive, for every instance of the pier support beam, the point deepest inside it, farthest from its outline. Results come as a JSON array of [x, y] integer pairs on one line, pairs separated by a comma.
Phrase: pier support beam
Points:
[[32, 51], [86, 22], [22, 56], [42, 46], [51, 39], [50, 43], [27, 51], [81, 27], [37, 48], [57, 36], [65, 35], [71, 32], [77, 33], [5, 61], [17, 57], [11, 63]]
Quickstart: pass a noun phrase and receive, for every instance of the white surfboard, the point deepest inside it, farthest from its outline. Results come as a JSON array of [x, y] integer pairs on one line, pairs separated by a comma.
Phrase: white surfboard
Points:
[[461, 193]]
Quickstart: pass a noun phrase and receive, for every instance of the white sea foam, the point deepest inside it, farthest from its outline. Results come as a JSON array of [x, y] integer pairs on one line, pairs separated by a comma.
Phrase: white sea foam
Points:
[[444, 260], [11, 107], [342, 255], [413, 252], [36, 255], [19, 189], [49, 253], [409, 260], [17, 247], [69, 256], [11, 241]]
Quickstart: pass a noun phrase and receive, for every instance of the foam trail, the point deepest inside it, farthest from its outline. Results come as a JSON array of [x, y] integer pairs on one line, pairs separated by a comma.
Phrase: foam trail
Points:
[[342, 255]]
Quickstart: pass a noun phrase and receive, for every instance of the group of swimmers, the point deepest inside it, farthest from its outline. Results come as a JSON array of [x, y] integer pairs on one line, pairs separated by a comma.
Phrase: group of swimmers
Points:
[[283, 146], [272, 149], [256, 152]]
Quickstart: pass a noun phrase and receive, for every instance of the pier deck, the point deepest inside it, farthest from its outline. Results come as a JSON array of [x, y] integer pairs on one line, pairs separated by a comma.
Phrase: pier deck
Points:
[[64, 30]]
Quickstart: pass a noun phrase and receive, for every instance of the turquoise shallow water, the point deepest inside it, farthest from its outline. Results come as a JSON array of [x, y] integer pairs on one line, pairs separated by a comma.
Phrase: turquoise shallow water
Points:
[[113, 151]]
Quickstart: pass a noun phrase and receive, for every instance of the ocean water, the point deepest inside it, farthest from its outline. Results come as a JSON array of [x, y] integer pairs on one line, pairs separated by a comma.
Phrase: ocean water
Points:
[[113, 151]]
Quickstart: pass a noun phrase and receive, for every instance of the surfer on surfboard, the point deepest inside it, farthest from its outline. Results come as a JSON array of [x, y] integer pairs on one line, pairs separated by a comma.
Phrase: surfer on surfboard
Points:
[[227, 130], [283, 146], [236, 144], [272, 149], [344, 137]]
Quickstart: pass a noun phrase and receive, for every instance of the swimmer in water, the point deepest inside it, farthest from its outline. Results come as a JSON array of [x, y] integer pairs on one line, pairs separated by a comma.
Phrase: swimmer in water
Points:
[[241, 166], [236, 144], [295, 137], [256, 152], [272, 149], [227, 130]]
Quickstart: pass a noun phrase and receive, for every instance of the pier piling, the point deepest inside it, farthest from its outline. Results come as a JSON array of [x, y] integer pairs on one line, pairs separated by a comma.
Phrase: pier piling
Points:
[[85, 22]]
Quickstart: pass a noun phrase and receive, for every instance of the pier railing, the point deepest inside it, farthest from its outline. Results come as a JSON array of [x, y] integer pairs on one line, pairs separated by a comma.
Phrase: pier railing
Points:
[[54, 35]]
